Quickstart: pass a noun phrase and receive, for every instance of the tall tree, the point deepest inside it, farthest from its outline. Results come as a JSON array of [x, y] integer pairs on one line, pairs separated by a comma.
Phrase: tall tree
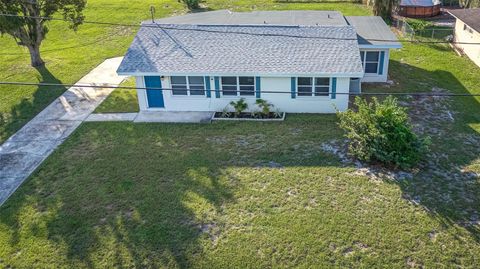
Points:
[[30, 27], [383, 8], [469, 3]]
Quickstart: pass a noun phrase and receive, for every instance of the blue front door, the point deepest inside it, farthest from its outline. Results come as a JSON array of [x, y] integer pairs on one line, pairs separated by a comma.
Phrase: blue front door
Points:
[[154, 95]]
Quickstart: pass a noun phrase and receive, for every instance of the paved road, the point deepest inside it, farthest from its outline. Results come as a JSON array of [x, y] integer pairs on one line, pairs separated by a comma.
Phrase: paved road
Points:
[[23, 152]]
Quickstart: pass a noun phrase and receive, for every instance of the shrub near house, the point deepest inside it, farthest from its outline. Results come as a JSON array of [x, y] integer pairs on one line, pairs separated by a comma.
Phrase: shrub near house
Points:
[[380, 132]]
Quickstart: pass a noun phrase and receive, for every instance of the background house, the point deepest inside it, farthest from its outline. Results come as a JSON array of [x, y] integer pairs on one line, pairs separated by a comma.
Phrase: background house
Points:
[[467, 30], [300, 61]]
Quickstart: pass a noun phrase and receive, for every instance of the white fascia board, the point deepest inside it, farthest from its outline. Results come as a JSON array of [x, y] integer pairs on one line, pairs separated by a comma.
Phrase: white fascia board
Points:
[[393, 46], [349, 75]]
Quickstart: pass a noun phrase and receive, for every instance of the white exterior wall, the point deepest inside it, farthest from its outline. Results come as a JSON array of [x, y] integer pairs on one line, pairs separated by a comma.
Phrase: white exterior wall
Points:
[[377, 77], [282, 101], [461, 35]]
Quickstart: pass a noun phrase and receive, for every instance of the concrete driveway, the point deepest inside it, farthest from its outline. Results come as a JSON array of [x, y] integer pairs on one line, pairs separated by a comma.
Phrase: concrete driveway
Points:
[[23, 152]]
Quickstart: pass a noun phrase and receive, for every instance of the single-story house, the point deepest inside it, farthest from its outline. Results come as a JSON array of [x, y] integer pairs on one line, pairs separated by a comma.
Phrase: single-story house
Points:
[[300, 61], [467, 30]]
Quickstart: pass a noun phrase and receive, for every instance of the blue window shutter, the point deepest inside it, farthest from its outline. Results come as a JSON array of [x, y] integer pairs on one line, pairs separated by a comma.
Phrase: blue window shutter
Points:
[[294, 86], [382, 59], [257, 87], [208, 86], [217, 87], [334, 88]]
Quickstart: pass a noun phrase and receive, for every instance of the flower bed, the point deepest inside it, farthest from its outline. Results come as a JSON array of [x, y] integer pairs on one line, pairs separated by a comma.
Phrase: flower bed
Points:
[[245, 116]]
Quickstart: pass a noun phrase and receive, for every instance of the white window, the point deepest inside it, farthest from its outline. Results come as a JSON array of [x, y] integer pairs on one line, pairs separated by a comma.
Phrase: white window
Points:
[[308, 86], [188, 86], [238, 86], [370, 61]]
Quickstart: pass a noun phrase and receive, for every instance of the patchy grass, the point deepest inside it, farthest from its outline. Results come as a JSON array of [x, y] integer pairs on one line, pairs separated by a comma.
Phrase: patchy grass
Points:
[[238, 194], [259, 194], [223, 195], [120, 100], [70, 55]]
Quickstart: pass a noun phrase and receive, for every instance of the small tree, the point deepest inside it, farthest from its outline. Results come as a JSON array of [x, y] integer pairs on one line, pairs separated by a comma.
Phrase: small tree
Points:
[[380, 132], [191, 4], [30, 29], [383, 8], [239, 106]]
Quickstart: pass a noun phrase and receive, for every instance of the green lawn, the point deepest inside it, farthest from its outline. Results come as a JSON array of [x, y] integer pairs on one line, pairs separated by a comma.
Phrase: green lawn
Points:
[[256, 194], [70, 55], [234, 194], [120, 100]]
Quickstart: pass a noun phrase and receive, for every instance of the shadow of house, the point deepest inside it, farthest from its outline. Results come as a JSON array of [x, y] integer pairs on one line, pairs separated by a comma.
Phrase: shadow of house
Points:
[[24, 111]]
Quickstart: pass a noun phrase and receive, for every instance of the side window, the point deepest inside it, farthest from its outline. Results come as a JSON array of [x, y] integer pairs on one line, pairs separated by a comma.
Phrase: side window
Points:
[[307, 86], [371, 62], [322, 86], [185, 86], [196, 85], [179, 85], [238, 86], [247, 85], [229, 86]]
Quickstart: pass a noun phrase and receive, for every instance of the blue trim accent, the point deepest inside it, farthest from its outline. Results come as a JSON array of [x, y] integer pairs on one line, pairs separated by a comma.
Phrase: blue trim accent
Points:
[[334, 88], [217, 87], [258, 87], [382, 59], [154, 96], [208, 86], [293, 86]]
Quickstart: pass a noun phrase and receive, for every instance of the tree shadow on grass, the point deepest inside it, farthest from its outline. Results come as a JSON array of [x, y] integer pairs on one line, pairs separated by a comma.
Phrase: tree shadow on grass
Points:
[[445, 186], [24, 111], [151, 208], [151, 195]]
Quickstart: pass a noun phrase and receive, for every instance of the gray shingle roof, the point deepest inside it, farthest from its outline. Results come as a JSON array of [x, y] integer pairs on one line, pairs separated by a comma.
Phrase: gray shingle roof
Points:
[[470, 17], [372, 29], [243, 50], [280, 17]]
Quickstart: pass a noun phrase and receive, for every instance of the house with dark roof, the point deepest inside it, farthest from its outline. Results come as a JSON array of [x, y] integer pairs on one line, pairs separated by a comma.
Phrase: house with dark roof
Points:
[[300, 61], [467, 30]]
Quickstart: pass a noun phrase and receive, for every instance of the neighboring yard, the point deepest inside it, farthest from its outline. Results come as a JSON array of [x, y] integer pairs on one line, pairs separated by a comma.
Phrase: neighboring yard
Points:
[[257, 194], [71, 55]]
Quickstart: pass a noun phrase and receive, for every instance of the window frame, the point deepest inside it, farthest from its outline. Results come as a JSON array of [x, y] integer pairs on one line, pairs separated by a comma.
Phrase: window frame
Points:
[[364, 61], [238, 85], [313, 87], [187, 80]]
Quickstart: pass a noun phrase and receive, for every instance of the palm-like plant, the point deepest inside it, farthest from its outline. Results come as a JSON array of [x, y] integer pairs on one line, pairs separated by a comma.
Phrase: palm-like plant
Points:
[[239, 106]]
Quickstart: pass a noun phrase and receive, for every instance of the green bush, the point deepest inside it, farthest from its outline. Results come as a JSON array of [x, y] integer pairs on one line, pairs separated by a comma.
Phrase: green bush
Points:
[[379, 132], [192, 4], [418, 24]]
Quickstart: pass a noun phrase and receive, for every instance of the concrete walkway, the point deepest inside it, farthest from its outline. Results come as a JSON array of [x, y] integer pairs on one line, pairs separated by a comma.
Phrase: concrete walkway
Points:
[[23, 152], [155, 116], [112, 117]]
